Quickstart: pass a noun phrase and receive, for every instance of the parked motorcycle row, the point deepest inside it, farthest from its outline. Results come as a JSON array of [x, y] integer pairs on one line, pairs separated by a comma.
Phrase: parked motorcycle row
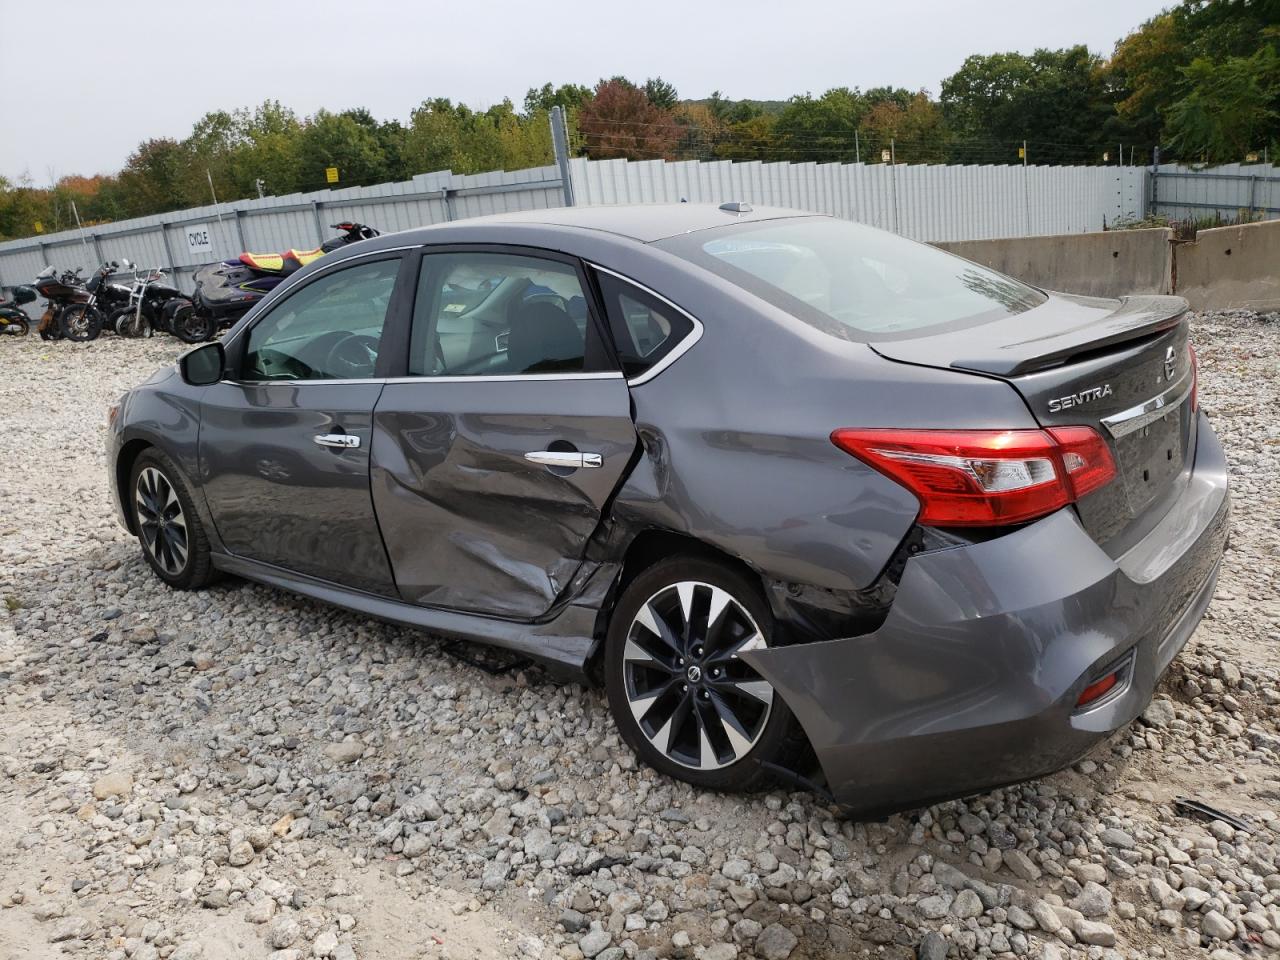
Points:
[[79, 309]]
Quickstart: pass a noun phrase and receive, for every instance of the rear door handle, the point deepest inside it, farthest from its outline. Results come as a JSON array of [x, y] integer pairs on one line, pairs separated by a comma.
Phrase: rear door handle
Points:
[[563, 458], [343, 441]]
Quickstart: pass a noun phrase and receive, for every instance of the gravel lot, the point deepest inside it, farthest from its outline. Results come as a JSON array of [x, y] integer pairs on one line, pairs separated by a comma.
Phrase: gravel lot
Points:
[[237, 772]]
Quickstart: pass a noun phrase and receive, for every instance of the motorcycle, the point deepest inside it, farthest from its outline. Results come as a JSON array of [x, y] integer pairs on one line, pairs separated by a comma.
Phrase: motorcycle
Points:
[[13, 319], [149, 294], [83, 319], [60, 290], [225, 291]]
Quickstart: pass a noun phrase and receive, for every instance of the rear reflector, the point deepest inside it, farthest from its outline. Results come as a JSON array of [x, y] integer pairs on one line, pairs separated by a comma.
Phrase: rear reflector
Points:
[[1098, 689], [985, 477]]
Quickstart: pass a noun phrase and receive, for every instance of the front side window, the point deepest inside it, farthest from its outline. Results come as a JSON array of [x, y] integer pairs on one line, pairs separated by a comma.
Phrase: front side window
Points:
[[497, 314], [853, 281], [330, 329]]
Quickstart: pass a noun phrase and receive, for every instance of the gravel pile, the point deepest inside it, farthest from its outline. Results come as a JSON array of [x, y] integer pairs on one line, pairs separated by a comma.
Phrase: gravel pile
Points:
[[242, 773]]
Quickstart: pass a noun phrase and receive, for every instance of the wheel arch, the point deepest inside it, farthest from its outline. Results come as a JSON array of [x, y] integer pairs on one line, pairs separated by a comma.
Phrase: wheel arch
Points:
[[645, 548], [128, 456]]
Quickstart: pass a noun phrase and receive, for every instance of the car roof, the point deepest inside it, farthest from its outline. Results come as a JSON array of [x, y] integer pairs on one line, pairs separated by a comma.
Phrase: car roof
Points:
[[645, 222]]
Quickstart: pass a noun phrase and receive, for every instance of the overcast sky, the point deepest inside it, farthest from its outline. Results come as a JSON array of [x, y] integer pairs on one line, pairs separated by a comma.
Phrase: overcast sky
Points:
[[81, 83]]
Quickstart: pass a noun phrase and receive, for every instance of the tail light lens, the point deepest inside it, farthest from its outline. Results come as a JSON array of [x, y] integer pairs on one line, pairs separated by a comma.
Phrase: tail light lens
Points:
[[984, 478]]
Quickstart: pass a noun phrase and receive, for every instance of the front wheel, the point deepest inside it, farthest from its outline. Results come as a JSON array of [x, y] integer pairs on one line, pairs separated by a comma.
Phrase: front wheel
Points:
[[173, 539], [682, 697], [126, 322], [80, 322], [193, 327]]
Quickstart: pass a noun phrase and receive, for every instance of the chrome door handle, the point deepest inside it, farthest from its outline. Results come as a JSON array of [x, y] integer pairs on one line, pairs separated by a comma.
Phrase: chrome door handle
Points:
[[343, 441], [564, 458]]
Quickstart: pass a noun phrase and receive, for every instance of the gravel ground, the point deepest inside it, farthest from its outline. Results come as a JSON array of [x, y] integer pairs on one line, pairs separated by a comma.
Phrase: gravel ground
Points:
[[237, 772]]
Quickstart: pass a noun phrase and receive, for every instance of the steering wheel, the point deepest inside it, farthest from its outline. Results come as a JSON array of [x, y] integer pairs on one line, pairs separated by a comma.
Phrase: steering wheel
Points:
[[354, 357]]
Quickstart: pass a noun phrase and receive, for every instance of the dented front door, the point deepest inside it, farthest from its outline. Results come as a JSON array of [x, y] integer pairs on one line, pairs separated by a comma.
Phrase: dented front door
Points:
[[488, 489]]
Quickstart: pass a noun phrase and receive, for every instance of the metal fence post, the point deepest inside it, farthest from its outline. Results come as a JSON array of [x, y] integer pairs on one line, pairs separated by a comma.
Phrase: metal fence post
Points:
[[1155, 181], [168, 250], [560, 143], [315, 212], [97, 248], [237, 214]]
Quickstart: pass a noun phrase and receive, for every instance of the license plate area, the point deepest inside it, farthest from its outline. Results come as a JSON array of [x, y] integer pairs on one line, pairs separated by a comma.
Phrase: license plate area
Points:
[[1151, 456]]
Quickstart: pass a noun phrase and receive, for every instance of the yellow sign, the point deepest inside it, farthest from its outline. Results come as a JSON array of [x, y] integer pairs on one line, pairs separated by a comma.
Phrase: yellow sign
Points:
[[1022, 153], [39, 227], [331, 174]]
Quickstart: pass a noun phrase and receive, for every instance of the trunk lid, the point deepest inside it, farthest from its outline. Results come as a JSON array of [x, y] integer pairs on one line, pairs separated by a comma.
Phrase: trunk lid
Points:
[[1122, 367]]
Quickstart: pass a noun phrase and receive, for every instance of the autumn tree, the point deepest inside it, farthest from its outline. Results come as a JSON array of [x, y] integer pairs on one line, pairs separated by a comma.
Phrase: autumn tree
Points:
[[620, 121]]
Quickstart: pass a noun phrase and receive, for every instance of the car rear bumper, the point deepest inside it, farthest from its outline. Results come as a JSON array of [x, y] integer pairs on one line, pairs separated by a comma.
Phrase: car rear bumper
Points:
[[973, 679]]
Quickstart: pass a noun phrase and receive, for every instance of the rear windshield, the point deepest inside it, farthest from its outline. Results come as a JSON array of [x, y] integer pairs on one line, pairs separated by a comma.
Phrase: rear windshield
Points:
[[854, 281]]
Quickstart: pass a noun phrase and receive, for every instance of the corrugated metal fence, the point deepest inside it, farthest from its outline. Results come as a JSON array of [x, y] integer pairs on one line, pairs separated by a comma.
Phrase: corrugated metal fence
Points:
[[922, 201], [926, 202], [1232, 191], [273, 224]]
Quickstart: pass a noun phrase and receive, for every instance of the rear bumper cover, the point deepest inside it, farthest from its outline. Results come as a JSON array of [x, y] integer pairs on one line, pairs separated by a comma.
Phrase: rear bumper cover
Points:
[[972, 680]]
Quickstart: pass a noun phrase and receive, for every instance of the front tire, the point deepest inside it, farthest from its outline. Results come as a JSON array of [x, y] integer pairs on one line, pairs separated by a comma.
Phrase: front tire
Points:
[[80, 322], [682, 698], [173, 539]]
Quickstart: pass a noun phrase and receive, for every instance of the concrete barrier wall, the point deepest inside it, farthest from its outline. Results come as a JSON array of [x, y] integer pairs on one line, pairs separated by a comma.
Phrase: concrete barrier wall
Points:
[[1231, 267], [1108, 264]]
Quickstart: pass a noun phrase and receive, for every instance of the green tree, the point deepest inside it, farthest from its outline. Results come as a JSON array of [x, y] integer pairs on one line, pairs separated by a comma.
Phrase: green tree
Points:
[[1228, 108], [660, 93], [338, 140], [156, 178], [568, 96], [820, 128], [1057, 100]]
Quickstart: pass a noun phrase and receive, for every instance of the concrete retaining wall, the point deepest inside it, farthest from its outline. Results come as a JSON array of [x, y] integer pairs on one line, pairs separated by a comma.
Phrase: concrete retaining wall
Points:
[[1108, 264], [1222, 268], [1231, 267]]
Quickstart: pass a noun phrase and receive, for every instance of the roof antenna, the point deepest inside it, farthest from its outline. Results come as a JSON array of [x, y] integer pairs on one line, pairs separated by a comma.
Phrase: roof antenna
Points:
[[684, 199], [736, 206]]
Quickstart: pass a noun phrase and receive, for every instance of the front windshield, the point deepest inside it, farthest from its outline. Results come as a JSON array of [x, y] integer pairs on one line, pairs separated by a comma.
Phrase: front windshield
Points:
[[854, 281]]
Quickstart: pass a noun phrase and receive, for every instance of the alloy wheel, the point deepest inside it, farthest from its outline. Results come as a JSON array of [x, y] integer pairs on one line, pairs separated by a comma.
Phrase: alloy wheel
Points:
[[161, 521], [693, 698]]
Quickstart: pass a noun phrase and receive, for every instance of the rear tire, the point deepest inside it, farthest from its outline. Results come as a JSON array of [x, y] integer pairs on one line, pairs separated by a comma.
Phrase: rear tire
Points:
[[680, 696], [192, 327], [17, 327], [169, 530], [80, 322]]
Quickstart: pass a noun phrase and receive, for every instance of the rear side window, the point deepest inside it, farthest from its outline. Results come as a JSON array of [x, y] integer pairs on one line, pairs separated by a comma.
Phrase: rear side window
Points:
[[498, 314], [645, 330], [853, 281]]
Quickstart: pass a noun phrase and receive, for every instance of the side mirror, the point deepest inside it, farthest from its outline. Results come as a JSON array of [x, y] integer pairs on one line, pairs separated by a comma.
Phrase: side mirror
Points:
[[204, 365]]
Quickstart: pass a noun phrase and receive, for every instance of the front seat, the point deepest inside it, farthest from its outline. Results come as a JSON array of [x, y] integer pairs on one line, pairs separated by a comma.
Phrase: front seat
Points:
[[543, 339]]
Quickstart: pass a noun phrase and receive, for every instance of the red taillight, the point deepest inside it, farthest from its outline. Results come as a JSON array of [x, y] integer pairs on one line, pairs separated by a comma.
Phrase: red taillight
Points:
[[983, 478], [1195, 378], [1098, 689]]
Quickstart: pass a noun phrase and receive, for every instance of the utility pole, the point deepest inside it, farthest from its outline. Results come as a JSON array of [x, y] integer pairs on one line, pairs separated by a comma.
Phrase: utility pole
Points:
[[857, 148], [212, 193]]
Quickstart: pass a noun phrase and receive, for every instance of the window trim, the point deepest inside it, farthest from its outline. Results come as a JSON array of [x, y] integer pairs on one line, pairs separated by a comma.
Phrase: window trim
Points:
[[236, 343], [597, 325], [683, 346]]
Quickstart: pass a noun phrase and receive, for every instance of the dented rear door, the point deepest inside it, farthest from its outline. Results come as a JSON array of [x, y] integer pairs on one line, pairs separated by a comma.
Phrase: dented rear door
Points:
[[473, 522]]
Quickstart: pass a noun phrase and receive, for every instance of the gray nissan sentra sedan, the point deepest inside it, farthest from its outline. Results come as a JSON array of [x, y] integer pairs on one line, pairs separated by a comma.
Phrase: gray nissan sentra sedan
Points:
[[809, 500]]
